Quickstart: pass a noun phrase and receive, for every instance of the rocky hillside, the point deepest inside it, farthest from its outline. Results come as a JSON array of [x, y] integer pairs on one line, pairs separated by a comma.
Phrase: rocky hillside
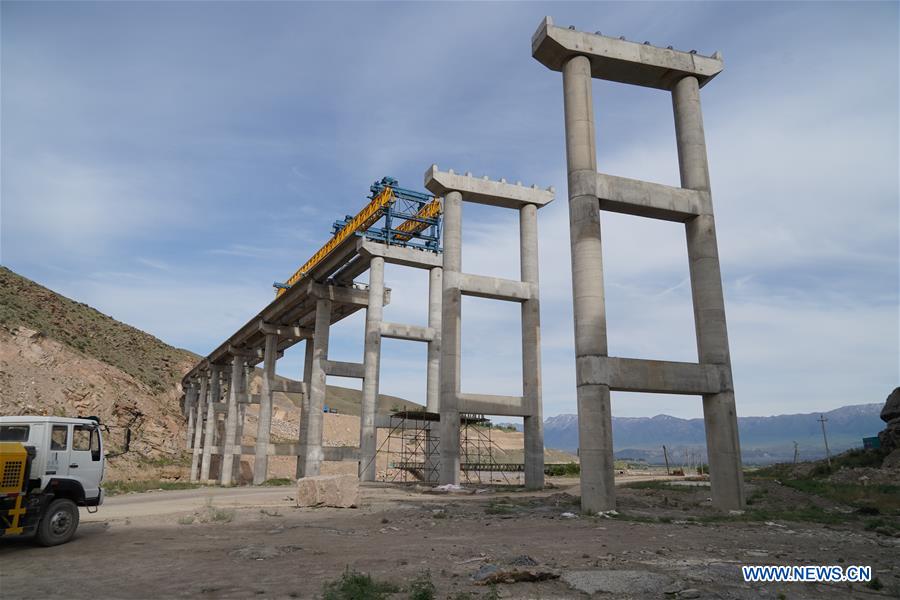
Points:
[[61, 357]]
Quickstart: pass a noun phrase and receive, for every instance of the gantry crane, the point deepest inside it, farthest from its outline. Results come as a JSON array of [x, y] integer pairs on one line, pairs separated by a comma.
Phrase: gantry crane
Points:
[[418, 214]]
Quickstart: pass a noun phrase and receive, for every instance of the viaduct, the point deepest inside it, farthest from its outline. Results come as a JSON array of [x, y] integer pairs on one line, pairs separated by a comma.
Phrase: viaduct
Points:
[[418, 231]]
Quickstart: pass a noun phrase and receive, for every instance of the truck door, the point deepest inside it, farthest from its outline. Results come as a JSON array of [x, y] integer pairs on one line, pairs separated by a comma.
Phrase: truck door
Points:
[[85, 463], [58, 456]]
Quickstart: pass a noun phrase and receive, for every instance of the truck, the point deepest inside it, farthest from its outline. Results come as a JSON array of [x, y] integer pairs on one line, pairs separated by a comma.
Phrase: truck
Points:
[[49, 466]]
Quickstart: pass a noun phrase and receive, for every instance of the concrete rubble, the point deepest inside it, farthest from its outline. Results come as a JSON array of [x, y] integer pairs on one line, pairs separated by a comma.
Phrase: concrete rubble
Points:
[[621, 583], [339, 491]]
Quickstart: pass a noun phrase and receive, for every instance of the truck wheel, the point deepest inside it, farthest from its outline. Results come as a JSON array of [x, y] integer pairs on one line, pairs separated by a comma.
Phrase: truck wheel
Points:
[[59, 523]]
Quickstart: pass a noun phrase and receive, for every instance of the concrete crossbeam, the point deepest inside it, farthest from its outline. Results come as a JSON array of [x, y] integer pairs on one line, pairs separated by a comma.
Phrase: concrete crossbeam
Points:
[[344, 295], [339, 368], [285, 331], [288, 386], [620, 60], [485, 191], [401, 331], [490, 404], [383, 421], [653, 376], [398, 255], [652, 200], [493, 287], [330, 453]]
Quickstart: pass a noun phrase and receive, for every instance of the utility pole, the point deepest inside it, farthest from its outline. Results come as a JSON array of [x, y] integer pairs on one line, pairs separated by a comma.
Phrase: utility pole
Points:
[[823, 420], [666, 456], [796, 452]]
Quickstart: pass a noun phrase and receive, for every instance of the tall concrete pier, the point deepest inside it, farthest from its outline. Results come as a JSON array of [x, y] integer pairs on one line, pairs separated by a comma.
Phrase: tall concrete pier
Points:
[[456, 189], [582, 57]]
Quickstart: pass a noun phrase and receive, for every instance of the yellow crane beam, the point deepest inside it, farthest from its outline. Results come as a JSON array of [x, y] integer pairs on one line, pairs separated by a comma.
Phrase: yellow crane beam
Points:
[[412, 226], [362, 221]]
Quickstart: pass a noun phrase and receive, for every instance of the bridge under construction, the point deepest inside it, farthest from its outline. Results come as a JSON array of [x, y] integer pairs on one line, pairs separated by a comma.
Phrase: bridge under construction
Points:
[[428, 236], [399, 226]]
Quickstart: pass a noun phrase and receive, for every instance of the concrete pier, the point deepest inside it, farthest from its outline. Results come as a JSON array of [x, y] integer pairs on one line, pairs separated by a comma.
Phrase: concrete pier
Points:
[[582, 57], [595, 443], [433, 374], [210, 433], [451, 301], [304, 408], [264, 426], [231, 419], [371, 362], [190, 406], [198, 428], [455, 189], [531, 350], [719, 412], [314, 423]]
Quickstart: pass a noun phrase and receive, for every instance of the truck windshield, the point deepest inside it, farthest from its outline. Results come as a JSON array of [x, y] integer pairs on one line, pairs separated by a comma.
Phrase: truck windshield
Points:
[[14, 433]]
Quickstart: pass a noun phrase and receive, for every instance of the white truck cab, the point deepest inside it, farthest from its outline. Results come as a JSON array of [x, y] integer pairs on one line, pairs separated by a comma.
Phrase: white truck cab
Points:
[[63, 470]]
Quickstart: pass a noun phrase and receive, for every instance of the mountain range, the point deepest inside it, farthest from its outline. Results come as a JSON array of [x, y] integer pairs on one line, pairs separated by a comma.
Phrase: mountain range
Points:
[[763, 439]]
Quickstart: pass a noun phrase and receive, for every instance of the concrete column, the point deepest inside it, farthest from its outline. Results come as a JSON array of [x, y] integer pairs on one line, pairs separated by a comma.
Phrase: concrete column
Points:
[[719, 413], [433, 374], [190, 405], [314, 455], [264, 429], [594, 414], [371, 363], [243, 402], [210, 436], [198, 429], [531, 350], [450, 339], [231, 420], [304, 407]]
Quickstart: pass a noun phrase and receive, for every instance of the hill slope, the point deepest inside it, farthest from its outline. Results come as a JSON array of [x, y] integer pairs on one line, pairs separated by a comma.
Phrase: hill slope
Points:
[[89, 332], [62, 357]]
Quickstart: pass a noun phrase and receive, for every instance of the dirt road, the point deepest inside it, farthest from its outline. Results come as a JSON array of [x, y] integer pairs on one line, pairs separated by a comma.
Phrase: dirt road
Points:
[[251, 542]]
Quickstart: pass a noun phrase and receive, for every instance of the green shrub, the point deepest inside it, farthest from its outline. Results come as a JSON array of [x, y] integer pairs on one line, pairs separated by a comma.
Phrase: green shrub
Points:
[[279, 481], [571, 469], [421, 588], [114, 488], [353, 585]]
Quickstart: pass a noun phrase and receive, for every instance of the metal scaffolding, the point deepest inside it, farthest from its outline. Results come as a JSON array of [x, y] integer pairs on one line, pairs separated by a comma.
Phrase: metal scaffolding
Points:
[[411, 447]]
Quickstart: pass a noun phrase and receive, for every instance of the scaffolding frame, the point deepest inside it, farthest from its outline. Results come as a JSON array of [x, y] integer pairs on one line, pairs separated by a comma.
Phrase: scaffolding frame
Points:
[[476, 451], [411, 446], [412, 449]]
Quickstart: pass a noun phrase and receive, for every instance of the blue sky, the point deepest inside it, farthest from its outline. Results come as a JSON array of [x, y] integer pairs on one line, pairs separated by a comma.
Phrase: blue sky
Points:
[[165, 162]]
